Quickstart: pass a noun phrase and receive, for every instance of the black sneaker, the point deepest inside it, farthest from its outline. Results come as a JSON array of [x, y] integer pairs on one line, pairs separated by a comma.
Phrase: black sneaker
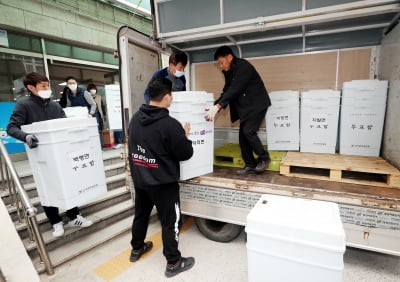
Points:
[[246, 170], [182, 265], [136, 254], [262, 165]]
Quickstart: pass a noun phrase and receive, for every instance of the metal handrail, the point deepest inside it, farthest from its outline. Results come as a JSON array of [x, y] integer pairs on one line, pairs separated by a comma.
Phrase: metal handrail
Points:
[[30, 211]]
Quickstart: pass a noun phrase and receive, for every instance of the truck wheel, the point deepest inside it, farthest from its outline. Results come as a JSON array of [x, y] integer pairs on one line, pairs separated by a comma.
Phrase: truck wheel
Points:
[[218, 231]]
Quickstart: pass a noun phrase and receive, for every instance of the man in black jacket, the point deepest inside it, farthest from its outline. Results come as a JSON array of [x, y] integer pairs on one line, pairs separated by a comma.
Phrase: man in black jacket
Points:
[[157, 143], [248, 101], [39, 107]]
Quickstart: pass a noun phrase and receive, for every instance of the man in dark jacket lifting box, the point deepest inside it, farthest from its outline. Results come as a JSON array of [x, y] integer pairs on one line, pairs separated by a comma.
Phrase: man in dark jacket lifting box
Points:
[[248, 101]]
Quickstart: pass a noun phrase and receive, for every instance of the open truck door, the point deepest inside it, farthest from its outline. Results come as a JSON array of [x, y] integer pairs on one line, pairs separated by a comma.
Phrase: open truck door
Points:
[[140, 57]]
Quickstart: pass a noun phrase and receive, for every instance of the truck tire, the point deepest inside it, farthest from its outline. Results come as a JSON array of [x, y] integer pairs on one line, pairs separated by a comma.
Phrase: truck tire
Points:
[[218, 231]]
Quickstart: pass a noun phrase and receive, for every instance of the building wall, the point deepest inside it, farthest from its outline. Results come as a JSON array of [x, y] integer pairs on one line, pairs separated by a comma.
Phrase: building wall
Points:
[[89, 23], [389, 69]]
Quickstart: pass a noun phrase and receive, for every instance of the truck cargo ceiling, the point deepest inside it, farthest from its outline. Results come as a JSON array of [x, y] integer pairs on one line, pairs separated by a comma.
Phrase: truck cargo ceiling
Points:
[[252, 25]]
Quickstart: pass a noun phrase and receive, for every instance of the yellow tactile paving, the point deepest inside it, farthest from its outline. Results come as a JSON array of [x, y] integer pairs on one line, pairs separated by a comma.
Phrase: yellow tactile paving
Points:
[[120, 263]]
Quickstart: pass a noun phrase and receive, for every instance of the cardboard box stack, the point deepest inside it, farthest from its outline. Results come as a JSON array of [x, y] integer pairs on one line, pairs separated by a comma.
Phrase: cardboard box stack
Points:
[[108, 138]]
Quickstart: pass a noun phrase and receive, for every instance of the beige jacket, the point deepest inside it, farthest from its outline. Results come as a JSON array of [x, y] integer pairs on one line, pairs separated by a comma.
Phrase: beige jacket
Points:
[[99, 102]]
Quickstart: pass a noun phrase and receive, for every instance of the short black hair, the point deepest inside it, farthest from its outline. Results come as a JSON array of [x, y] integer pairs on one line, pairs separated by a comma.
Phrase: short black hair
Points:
[[178, 57], [222, 52], [33, 78], [159, 87], [91, 86], [70, 77]]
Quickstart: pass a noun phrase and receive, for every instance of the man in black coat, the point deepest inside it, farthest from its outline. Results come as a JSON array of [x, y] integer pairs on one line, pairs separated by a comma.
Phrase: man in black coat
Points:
[[248, 101], [39, 107]]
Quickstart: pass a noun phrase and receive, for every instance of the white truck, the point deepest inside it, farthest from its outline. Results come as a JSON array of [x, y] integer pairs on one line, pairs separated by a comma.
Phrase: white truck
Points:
[[297, 45]]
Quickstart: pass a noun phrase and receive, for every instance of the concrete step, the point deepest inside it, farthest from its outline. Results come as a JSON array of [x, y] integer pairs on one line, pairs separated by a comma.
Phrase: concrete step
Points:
[[101, 219], [111, 198], [85, 243], [73, 249]]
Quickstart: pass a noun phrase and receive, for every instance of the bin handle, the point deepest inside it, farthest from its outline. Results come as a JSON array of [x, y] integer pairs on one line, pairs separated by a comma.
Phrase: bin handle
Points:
[[77, 129], [78, 141]]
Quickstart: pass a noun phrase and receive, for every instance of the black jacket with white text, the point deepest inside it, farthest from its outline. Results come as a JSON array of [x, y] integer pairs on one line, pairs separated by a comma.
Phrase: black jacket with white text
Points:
[[157, 143]]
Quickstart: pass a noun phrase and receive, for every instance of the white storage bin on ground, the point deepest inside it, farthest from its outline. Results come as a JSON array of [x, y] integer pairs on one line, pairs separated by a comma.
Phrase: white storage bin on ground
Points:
[[292, 239], [362, 117], [67, 165], [283, 121], [189, 106], [319, 119]]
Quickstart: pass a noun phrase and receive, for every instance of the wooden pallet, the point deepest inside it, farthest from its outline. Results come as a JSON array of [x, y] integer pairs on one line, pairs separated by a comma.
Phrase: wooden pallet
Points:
[[341, 168]]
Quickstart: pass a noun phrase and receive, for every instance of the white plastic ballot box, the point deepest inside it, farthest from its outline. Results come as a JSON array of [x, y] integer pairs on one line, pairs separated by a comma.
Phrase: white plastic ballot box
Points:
[[67, 165], [189, 106], [283, 121], [293, 239]]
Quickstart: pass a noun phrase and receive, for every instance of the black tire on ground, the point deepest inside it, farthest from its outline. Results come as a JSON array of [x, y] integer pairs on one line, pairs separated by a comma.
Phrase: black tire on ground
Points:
[[218, 231]]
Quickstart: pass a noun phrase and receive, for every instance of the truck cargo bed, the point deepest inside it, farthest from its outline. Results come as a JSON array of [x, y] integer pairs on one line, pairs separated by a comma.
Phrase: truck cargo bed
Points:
[[370, 214], [273, 182]]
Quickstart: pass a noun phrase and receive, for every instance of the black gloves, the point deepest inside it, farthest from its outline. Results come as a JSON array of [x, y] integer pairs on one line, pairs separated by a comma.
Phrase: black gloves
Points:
[[31, 140]]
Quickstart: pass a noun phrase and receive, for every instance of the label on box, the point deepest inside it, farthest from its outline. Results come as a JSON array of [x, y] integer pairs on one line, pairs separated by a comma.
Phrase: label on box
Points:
[[81, 159], [318, 121], [280, 121]]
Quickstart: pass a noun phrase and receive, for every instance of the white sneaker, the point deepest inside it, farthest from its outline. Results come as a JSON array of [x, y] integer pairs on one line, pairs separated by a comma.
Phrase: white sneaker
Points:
[[58, 229], [80, 221]]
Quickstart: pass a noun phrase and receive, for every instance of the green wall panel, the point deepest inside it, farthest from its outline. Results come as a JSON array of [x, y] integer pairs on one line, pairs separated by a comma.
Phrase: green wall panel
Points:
[[58, 49]]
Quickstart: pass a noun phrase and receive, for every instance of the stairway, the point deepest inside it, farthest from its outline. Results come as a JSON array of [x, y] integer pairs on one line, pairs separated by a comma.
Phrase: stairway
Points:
[[111, 215]]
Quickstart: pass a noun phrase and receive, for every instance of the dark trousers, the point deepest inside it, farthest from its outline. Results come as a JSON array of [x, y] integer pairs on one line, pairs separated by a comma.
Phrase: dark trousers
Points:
[[249, 141], [53, 215], [166, 199], [100, 126]]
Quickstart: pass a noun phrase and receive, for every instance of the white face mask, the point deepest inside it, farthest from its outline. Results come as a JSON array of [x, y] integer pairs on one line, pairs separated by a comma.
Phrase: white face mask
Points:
[[73, 87], [44, 94], [179, 73], [93, 91]]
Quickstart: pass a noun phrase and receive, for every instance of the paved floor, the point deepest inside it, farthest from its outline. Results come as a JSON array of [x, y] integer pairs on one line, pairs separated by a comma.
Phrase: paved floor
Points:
[[215, 262]]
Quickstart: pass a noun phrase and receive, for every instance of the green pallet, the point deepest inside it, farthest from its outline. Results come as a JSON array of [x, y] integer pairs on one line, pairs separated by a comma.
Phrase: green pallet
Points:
[[230, 155]]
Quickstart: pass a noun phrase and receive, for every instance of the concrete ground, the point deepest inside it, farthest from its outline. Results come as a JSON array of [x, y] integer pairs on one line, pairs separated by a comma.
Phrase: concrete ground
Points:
[[215, 262]]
